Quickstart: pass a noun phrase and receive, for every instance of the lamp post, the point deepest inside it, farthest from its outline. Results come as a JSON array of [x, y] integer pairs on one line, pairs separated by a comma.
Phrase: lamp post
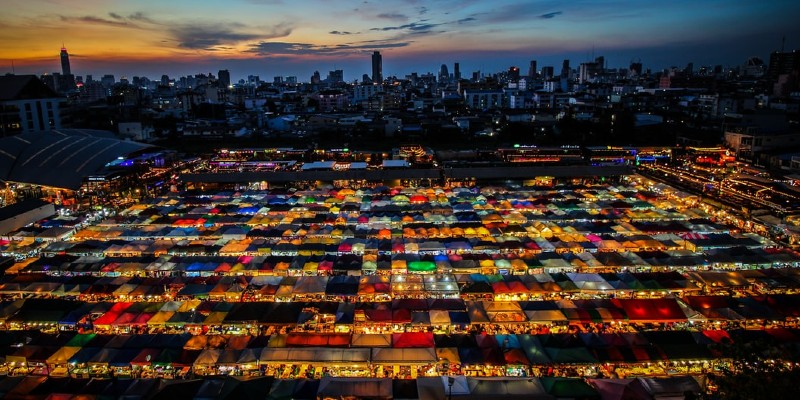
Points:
[[450, 381]]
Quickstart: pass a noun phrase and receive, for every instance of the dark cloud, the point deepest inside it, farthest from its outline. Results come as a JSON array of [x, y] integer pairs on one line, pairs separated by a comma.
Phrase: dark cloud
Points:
[[204, 36], [414, 26], [89, 19], [115, 19], [550, 15], [293, 48], [422, 10], [465, 20], [343, 33], [392, 16], [141, 17]]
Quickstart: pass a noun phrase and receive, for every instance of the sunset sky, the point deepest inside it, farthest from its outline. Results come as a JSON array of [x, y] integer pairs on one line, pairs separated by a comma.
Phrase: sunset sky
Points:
[[287, 37]]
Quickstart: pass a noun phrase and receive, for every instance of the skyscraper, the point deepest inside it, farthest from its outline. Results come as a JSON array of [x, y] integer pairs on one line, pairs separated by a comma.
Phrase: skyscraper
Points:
[[377, 67], [456, 72], [65, 69], [565, 70], [444, 75], [532, 70], [224, 78]]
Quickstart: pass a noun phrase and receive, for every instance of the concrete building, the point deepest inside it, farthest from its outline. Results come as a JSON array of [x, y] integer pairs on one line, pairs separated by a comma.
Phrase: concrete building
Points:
[[760, 132], [331, 100], [27, 105], [484, 99], [377, 67]]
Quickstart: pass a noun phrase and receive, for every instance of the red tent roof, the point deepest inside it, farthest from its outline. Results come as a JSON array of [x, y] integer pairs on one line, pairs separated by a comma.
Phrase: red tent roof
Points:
[[656, 310], [412, 339]]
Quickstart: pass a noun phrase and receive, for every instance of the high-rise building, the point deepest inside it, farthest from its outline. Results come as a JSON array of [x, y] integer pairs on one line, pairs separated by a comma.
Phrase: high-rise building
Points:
[[107, 80], [782, 63], [513, 74], [336, 76], [456, 71], [635, 68], [565, 71], [224, 78], [532, 70], [65, 69], [444, 74], [548, 72], [377, 67]]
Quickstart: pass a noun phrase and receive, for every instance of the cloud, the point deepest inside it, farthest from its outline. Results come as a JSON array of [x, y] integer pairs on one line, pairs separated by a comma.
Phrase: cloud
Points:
[[421, 25], [90, 19], [294, 48], [465, 20], [422, 10], [393, 16], [115, 19], [207, 35], [343, 33], [550, 15], [141, 17]]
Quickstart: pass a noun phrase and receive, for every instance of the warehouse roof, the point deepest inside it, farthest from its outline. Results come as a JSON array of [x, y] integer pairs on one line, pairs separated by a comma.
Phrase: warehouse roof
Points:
[[60, 158]]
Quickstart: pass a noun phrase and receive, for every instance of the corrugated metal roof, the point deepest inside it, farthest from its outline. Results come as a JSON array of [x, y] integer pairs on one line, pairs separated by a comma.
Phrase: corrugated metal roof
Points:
[[60, 158]]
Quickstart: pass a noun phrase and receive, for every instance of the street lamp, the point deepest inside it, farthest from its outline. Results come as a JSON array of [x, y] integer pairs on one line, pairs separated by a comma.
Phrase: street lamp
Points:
[[450, 381]]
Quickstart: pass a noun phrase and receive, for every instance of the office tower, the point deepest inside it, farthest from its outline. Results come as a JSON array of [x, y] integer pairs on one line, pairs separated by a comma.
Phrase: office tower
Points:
[[377, 67], [107, 80], [316, 77], [224, 78], [513, 74], [532, 70], [366, 79], [456, 71], [565, 71], [65, 69], [336, 76], [547, 72], [444, 74], [782, 63], [635, 68]]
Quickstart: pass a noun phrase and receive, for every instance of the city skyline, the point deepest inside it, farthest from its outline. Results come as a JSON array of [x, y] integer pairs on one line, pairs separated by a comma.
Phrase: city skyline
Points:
[[276, 38]]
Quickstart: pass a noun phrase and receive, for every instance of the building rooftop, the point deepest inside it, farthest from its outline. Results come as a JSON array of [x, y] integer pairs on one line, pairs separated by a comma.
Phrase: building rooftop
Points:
[[60, 158], [22, 87]]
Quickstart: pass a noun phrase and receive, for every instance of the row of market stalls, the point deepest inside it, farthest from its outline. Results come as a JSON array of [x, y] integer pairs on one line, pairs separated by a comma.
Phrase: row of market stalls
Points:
[[448, 222], [381, 288], [508, 262], [397, 356], [234, 388], [400, 315]]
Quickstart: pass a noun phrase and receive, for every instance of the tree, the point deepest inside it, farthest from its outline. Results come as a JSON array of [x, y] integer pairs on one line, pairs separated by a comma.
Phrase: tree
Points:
[[759, 371]]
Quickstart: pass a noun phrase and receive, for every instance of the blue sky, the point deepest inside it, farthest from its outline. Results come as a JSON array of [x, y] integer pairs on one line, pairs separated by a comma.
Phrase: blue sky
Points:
[[284, 37]]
